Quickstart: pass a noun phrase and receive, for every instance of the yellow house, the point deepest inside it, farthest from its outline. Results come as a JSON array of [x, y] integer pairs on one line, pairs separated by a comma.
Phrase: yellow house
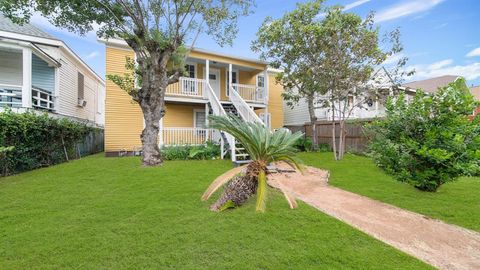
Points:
[[238, 85]]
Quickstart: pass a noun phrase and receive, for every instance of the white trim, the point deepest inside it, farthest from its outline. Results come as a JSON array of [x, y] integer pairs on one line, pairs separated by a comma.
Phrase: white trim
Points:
[[237, 77], [27, 78], [195, 67], [52, 42], [218, 72]]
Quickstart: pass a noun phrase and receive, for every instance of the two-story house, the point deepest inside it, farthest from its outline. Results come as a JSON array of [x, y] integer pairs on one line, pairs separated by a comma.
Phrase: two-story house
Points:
[[41, 73], [215, 84]]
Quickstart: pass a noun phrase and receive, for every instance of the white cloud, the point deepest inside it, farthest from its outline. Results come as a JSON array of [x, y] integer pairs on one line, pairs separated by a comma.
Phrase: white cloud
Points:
[[405, 9], [347, 7], [440, 64], [474, 52], [441, 25], [92, 55], [355, 4], [393, 59], [469, 71]]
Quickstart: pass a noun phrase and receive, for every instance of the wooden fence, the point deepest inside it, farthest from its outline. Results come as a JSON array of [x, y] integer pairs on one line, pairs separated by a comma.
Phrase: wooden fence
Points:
[[355, 141]]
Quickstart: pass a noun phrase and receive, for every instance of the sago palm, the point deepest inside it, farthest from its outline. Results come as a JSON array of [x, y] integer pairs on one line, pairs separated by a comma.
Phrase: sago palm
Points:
[[264, 147]]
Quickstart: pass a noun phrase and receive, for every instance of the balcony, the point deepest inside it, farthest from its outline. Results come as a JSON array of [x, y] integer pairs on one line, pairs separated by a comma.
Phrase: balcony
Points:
[[10, 96], [186, 136], [187, 87]]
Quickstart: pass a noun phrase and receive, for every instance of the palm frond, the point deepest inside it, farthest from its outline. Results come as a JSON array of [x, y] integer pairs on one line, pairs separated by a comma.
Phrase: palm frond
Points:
[[220, 181], [261, 192]]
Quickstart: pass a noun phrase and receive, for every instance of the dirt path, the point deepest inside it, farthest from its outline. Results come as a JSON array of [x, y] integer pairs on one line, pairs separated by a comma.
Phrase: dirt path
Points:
[[442, 245]]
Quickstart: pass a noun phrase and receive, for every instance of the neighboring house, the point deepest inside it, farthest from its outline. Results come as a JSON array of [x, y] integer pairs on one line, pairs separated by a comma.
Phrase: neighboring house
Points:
[[476, 94], [299, 116], [239, 85], [40, 72]]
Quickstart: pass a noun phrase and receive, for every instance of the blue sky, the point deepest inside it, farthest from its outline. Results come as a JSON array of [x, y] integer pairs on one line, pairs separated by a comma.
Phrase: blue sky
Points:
[[439, 36]]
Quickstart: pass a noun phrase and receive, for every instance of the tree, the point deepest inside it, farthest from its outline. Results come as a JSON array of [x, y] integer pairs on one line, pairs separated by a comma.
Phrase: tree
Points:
[[352, 52], [263, 146], [157, 31], [293, 44], [431, 140]]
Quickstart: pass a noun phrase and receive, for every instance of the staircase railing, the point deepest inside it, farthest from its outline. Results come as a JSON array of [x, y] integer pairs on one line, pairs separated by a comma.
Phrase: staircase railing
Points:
[[247, 113], [218, 109]]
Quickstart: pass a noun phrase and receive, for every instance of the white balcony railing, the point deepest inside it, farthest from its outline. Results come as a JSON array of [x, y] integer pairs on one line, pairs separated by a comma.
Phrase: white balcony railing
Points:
[[42, 99], [187, 87], [10, 96], [247, 113], [186, 136], [250, 93]]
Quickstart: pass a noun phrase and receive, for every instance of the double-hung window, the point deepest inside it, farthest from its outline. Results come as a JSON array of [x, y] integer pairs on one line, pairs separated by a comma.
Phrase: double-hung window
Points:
[[189, 86]]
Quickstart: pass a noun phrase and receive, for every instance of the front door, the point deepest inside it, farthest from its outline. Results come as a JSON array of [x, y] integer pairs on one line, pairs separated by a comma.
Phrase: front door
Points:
[[214, 81]]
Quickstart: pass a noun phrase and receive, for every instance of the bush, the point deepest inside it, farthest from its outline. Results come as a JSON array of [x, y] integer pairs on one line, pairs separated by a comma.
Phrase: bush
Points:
[[209, 150], [430, 141], [29, 141], [304, 144]]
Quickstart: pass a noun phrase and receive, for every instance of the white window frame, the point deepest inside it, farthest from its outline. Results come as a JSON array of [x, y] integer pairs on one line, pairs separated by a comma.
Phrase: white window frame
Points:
[[195, 111], [256, 80], [195, 66], [237, 78]]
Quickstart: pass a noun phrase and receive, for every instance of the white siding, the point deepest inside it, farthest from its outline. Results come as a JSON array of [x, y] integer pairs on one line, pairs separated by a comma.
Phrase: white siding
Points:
[[11, 67], [298, 115], [68, 98]]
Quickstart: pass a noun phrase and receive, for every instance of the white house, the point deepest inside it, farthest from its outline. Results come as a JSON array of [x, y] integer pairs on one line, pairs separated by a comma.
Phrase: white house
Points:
[[299, 116], [40, 72]]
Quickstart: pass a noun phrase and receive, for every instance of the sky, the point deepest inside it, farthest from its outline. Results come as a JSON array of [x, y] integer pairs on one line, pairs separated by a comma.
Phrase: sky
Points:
[[440, 37]]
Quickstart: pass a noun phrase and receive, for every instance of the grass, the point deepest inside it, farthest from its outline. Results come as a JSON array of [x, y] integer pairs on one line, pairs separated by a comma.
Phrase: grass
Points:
[[455, 202], [110, 213]]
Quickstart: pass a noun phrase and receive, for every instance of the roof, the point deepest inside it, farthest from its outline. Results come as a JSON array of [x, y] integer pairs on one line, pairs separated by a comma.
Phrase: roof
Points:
[[25, 29], [476, 92], [116, 42], [431, 85]]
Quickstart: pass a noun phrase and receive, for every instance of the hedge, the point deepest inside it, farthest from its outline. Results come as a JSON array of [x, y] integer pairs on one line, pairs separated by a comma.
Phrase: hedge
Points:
[[29, 141]]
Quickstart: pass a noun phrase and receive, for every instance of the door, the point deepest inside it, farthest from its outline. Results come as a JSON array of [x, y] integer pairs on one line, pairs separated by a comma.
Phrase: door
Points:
[[214, 81]]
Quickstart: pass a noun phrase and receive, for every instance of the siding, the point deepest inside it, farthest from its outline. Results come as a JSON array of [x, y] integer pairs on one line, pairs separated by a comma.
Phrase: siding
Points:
[[123, 117], [43, 76], [67, 92], [11, 67], [275, 102], [180, 115], [298, 115]]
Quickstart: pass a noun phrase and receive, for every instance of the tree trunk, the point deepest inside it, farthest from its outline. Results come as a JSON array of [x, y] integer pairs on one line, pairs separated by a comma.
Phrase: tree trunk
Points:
[[313, 122], [334, 139], [237, 192], [152, 102]]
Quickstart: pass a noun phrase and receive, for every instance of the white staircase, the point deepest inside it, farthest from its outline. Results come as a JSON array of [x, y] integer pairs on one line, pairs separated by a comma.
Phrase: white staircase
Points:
[[228, 142]]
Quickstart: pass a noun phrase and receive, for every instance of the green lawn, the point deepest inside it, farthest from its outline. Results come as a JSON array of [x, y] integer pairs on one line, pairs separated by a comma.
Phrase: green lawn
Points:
[[99, 213], [456, 202]]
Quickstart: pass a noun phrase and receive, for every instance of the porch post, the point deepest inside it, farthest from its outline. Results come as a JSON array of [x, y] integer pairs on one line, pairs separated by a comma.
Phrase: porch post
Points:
[[229, 77], [160, 140], [27, 78], [207, 130], [207, 77], [265, 96]]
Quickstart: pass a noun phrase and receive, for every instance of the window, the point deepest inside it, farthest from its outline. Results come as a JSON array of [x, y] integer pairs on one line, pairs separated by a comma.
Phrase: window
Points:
[[234, 79], [189, 86], [200, 119], [81, 87], [260, 81], [190, 70]]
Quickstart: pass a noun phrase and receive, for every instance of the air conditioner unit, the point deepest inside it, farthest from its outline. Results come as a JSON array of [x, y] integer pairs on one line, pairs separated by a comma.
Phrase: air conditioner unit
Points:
[[81, 102]]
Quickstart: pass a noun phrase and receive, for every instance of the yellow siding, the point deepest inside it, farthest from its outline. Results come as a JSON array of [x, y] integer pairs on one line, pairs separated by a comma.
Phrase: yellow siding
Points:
[[275, 103], [123, 117], [226, 59], [180, 115]]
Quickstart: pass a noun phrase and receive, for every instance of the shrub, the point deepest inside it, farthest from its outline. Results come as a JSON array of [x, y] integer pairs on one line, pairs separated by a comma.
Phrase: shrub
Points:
[[304, 144], [209, 150], [29, 140], [430, 141]]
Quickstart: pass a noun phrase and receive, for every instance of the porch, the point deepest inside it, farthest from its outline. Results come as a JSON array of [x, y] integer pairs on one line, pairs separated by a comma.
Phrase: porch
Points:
[[249, 80], [27, 77]]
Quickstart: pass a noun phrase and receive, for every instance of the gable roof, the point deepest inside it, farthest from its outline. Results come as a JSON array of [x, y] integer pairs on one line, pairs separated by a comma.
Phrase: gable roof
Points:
[[25, 29], [431, 85], [475, 92]]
